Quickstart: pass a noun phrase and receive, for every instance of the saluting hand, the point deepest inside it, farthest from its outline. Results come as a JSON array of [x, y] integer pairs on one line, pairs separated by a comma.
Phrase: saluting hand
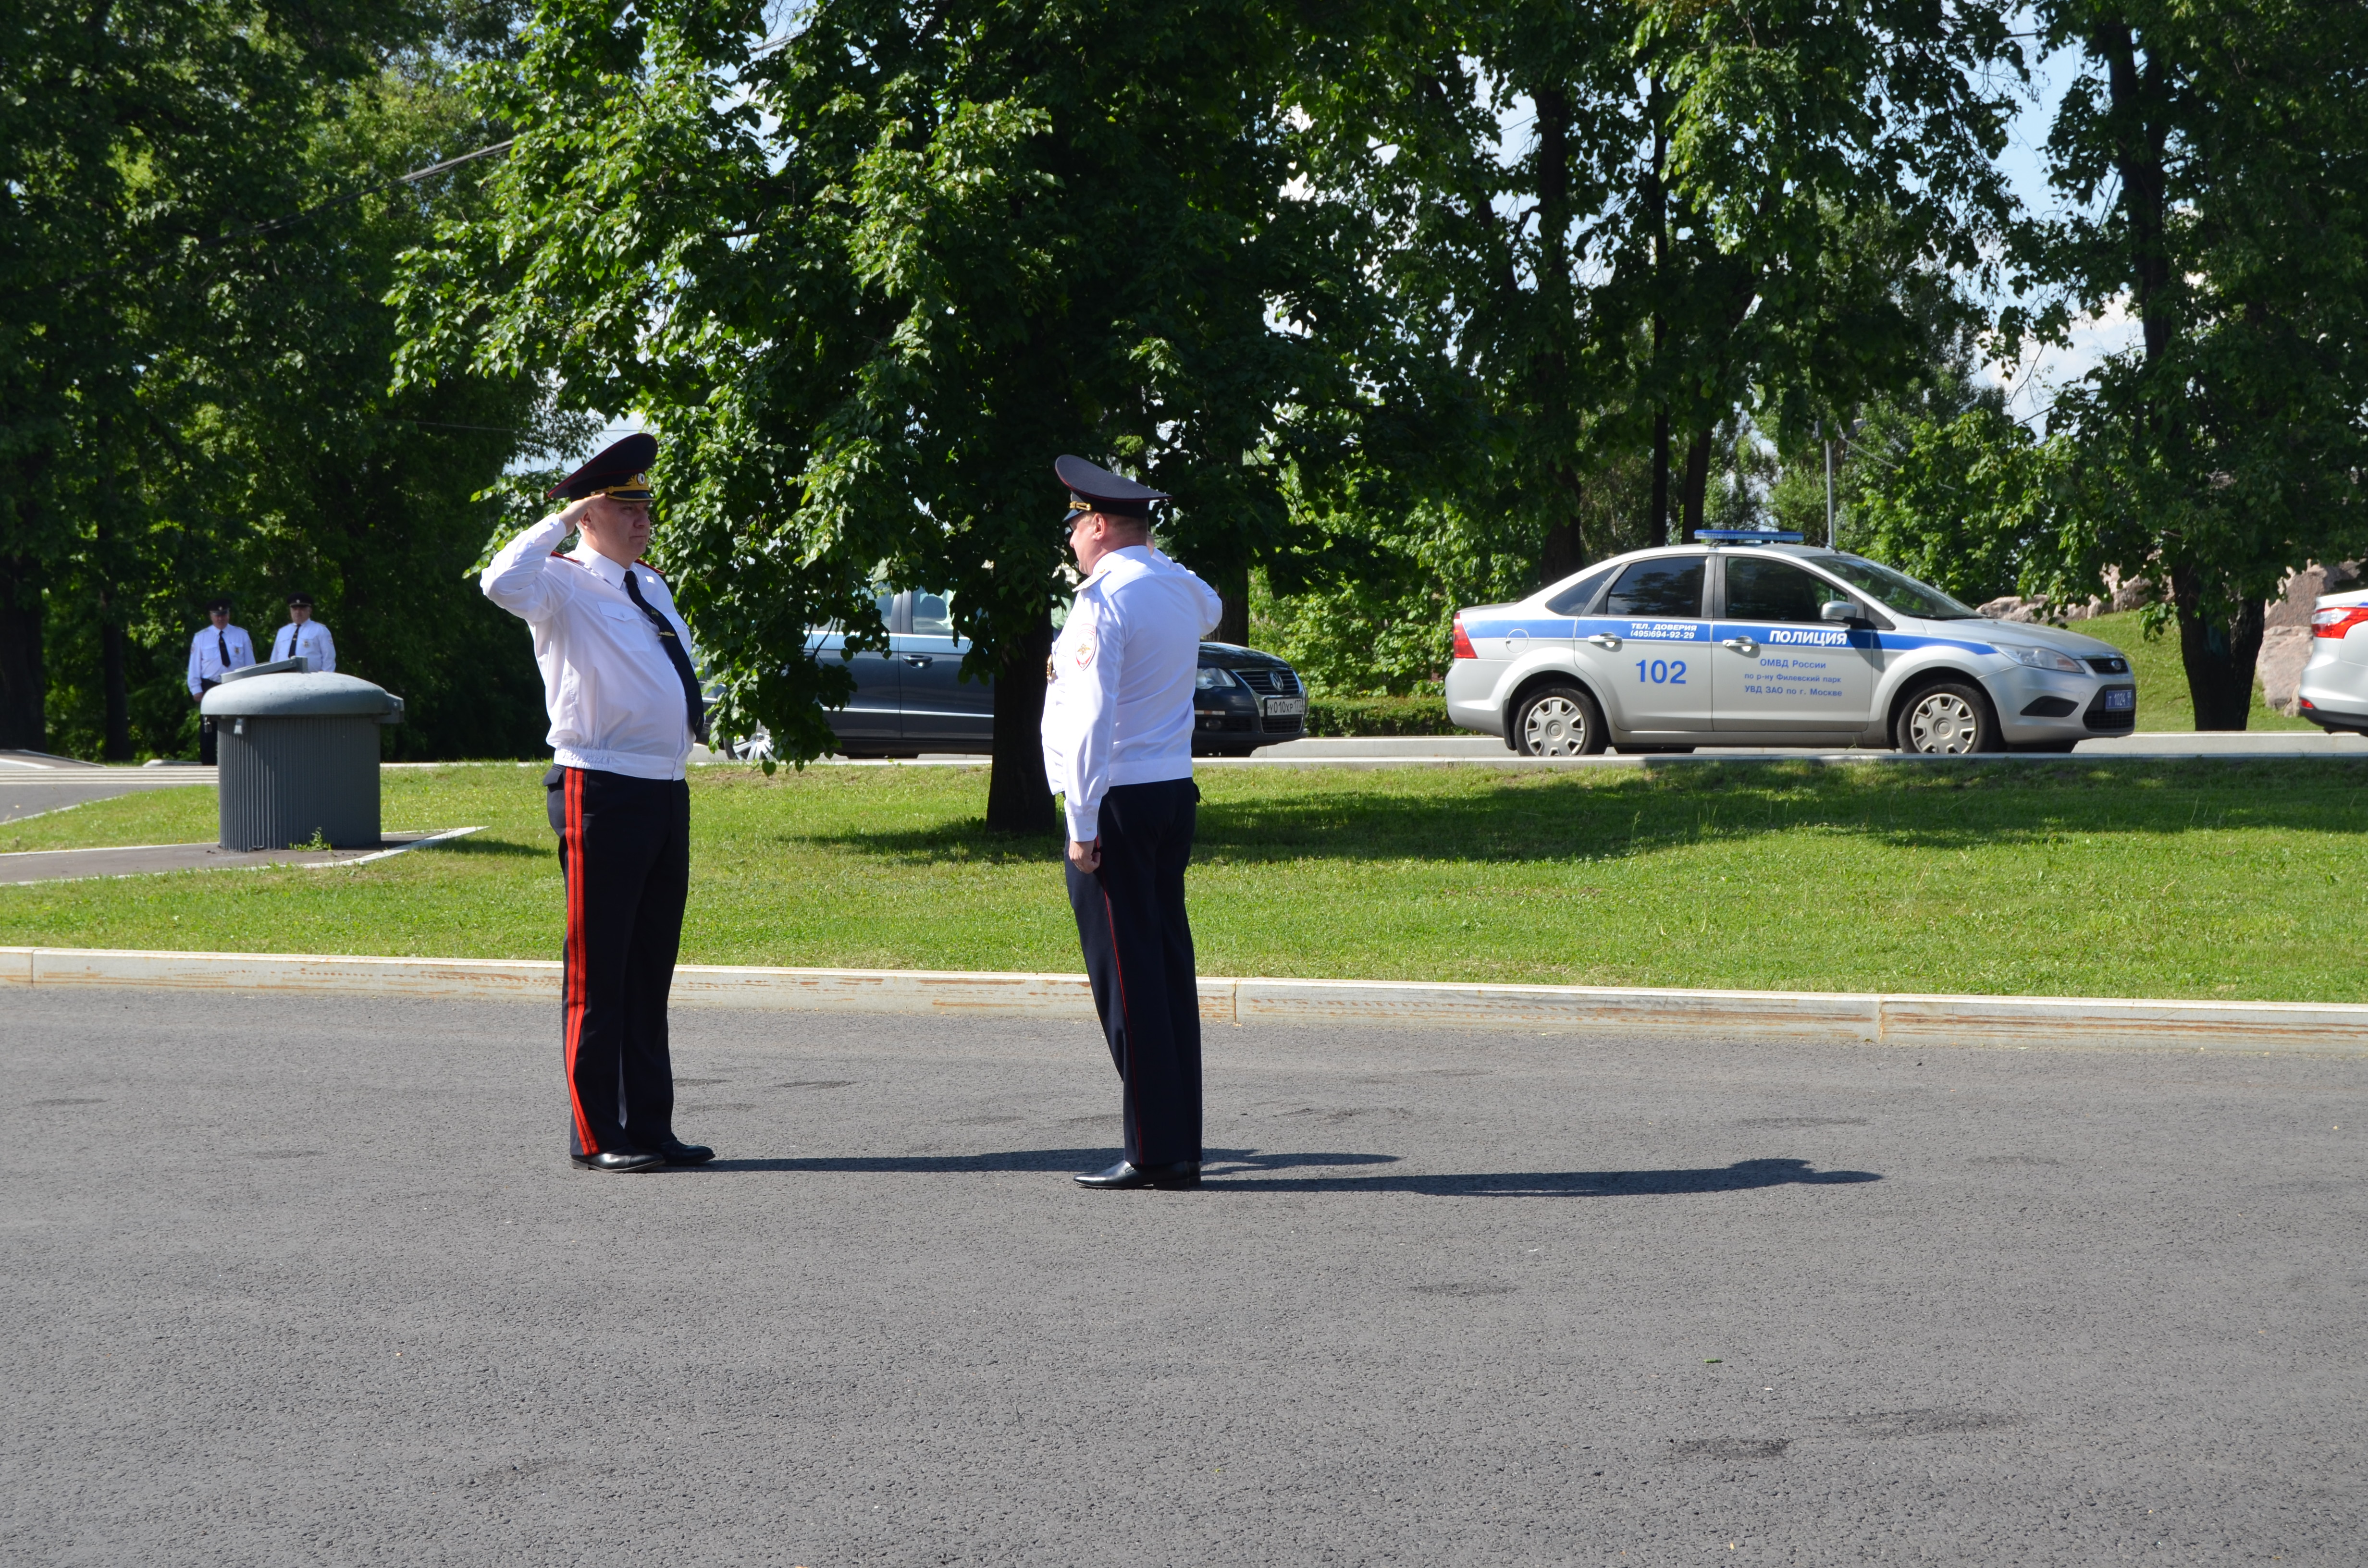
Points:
[[1087, 858]]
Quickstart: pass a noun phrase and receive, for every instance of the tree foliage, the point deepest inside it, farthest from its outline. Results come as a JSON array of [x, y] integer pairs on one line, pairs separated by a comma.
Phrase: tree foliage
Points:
[[1614, 247], [871, 278], [2215, 155], [194, 355]]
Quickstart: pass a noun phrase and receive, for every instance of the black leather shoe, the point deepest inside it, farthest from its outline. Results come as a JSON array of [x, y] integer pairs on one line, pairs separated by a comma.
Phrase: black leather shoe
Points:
[[619, 1160], [1178, 1178], [674, 1152]]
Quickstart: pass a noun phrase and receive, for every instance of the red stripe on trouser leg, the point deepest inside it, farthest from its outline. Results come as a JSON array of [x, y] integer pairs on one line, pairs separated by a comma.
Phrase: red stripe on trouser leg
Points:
[[577, 967], [1125, 1024]]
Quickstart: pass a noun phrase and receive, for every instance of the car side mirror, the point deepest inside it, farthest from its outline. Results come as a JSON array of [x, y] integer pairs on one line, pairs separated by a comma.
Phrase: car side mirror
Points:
[[1840, 610]]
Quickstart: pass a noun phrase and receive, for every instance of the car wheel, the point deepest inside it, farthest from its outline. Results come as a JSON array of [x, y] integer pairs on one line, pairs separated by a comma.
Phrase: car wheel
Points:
[[1558, 720], [1949, 720]]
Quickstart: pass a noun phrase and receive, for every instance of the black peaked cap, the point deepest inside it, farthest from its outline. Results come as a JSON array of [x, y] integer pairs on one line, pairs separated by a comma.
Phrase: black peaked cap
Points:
[[618, 463], [1093, 488]]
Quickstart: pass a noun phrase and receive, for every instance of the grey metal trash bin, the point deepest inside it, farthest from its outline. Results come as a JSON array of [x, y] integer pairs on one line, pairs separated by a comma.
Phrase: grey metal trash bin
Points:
[[298, 755]]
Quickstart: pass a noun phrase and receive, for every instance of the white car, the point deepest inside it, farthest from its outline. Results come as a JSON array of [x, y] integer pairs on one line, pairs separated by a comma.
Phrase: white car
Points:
[[1750, 639], [2334, 690]]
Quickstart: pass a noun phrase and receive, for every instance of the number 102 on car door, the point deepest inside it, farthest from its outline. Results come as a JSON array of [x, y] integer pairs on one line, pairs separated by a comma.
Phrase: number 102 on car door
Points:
[[1661, 672]]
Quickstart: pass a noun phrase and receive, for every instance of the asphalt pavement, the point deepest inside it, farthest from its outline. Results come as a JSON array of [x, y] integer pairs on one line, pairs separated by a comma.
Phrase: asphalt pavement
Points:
[[146, 859], [35, 782], [308, 1280]]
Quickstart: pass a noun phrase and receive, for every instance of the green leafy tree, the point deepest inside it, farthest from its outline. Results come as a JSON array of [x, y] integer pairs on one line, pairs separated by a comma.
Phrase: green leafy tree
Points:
[[1967, 500], [194, 354], [1598, 233], [290, 464], [137, 140], [870, 278], [2215, 158]]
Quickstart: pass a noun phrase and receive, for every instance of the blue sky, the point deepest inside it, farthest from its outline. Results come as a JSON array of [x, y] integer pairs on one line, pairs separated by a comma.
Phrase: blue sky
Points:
[[2038, 373]]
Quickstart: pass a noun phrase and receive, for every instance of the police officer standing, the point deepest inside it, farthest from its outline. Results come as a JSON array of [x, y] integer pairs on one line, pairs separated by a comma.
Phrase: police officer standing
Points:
[[304, 637], [214, 652], [625, 706], [1118, 748]]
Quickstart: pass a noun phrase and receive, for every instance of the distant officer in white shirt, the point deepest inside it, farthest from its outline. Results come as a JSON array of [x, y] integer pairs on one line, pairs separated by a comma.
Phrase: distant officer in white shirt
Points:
[[304, 636], [213, 653], [1118, 748], [618, 678]]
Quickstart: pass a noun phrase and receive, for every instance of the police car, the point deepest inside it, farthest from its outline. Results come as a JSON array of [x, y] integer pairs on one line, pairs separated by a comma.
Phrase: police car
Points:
[[1752, 639], [2334, 689]]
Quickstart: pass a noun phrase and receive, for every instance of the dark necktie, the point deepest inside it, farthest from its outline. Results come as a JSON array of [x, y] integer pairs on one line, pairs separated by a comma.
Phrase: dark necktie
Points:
[[222, 646], [680, 660]]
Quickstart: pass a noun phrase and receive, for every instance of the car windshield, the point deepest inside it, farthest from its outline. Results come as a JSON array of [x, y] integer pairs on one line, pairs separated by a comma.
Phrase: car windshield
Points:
[[1897, 590]]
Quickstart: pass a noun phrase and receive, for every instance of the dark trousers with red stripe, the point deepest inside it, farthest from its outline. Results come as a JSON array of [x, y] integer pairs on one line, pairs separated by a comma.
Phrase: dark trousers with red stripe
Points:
[[624, 854], [1138, 948]]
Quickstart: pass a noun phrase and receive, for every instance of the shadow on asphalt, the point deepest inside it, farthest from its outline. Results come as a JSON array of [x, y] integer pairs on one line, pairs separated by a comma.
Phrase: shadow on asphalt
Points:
[[1244, 1170], [1741, 1176], [1213, 1162]]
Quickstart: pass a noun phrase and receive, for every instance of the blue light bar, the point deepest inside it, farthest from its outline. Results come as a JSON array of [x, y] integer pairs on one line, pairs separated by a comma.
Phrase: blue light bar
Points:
[[1746, 536]]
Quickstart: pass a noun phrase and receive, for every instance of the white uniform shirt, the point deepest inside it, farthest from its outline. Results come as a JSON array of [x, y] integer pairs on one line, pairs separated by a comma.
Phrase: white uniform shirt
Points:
[[615, 702], [206, 650], [312, 639], [1119, 707]]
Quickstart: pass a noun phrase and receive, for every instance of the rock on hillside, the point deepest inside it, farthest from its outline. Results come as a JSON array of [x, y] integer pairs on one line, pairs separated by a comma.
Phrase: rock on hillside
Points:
[[2285, 637]]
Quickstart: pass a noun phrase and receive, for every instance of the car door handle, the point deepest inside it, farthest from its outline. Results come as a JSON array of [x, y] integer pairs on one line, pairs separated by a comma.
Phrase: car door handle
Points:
[[919, 658], [1740, 644], [1604, 639]]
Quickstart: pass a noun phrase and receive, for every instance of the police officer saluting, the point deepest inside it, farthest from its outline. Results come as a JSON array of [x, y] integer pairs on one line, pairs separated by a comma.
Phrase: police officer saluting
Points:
[[1118, 748], [625, 705]]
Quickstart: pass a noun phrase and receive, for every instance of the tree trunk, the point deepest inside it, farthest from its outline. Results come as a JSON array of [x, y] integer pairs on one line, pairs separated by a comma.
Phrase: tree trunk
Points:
[[24, 678], [2220, 655], [1697, 479], [1660, 530], [1233, 585], [2138, 105], [1018, 798], [118, 746], [1656, 209], [1564, 552]]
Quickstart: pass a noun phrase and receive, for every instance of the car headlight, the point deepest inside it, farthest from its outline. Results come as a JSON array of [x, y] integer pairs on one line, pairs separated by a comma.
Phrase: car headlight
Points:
[[2041, 658], [1207, 680]]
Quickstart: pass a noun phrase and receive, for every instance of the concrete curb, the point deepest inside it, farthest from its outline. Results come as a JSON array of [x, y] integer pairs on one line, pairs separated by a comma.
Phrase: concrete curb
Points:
[[2051, 1022]]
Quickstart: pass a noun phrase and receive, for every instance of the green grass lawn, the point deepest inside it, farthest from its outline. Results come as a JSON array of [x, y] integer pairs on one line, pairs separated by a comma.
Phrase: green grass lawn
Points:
[[2135, 878], [2163, 699]]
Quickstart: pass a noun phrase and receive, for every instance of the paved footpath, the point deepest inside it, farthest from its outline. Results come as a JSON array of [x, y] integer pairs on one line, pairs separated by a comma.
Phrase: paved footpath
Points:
[[306, 1281]]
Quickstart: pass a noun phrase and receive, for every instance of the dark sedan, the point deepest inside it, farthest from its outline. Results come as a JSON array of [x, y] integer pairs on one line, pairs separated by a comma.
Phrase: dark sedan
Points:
[[909, 698]]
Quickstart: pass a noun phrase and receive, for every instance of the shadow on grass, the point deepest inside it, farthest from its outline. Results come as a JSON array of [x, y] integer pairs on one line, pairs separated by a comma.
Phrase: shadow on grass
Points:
[[1598, 815], [1247, 1170], [477, 845]]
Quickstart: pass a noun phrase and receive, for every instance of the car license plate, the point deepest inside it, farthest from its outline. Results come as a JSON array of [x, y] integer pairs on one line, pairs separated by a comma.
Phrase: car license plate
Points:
[[1285, 707], [2122, 702]]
